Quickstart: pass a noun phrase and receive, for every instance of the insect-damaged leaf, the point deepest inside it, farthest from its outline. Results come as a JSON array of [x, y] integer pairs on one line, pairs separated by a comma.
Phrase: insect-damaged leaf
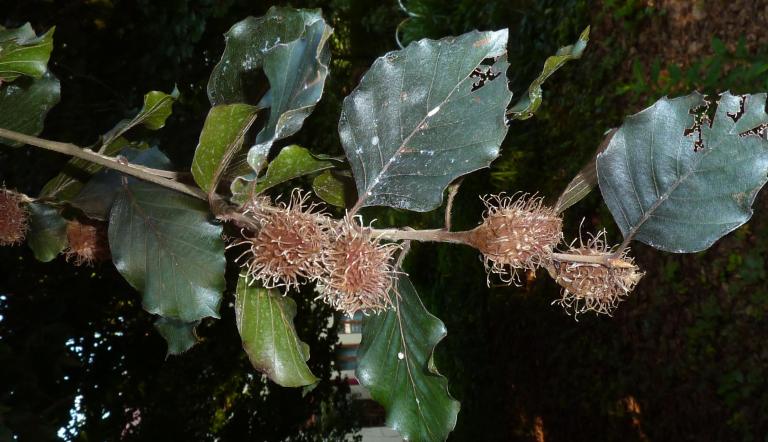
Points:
[[165, 245], [395, 363], [425, 115], [679, 183], [265, 322]]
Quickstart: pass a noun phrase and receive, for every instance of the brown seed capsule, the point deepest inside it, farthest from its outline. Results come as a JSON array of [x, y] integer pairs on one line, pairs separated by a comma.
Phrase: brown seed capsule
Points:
[[358, 270], [14, 218], [516, 234], [595, 287], [285, 250], [88, 242]]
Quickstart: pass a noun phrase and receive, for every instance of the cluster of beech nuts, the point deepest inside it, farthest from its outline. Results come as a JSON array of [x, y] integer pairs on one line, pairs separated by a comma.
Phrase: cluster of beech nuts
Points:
[[289, 244], [87, 241]]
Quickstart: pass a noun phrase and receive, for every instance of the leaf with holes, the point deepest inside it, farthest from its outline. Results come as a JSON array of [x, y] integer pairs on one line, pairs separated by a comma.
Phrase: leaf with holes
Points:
[[677, 181], [47, 235], [24, 53], [25, 103], [396, 364], [265, 322], [425, 115], [529, 104], [164, 244], [179, 335], [220, 141]]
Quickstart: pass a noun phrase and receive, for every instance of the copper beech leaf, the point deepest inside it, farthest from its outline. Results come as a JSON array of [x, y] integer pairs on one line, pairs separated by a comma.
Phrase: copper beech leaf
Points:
[[265, 322], [425, 115], [396, 364], [165, 245], [679, 183]]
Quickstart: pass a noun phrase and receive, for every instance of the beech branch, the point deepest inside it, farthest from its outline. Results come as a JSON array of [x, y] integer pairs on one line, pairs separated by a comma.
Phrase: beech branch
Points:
[[156, 176], [168, 179]]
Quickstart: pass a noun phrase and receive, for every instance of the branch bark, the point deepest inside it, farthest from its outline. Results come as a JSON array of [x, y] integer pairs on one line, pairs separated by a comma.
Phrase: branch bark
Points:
[[160, 177]]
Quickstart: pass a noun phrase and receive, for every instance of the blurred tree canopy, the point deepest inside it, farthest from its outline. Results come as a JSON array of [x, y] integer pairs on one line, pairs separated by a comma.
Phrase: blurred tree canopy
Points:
[[683, 359]]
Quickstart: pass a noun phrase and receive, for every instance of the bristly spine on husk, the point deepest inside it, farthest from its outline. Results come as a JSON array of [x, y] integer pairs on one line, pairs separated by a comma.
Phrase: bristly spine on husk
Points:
[[595, 287], [286, 244], [88, 242], [517, 233], [359, 270], [14, 217]]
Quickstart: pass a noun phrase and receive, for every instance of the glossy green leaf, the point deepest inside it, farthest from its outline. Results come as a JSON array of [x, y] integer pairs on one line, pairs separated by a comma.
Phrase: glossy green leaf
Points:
[[529, 104], [334, 188], [425, 115], [25, 103], [179, 335], [157, 107], [679, 188], [165, 245], [265, 322], [24, 53], [237, 77], [220, 141], [70, 181], [47, 235], [396, 364], [292, 162], [296, 72]]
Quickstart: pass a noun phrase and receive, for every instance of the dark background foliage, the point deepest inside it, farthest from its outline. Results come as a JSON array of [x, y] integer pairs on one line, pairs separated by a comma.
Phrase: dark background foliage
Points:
[[683, 359]]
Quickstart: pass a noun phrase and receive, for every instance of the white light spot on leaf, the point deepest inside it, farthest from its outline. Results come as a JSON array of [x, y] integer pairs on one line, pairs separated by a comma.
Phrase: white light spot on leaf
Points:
[[433, 111], [400, 355]]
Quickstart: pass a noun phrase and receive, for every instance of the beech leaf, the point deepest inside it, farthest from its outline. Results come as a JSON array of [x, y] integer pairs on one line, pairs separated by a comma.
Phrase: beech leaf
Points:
[[165, 245], [677, 181], [425, 115], [47, 235], [25, 103], [24, 53], [265, 322], [395, 363], [220, 141]]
